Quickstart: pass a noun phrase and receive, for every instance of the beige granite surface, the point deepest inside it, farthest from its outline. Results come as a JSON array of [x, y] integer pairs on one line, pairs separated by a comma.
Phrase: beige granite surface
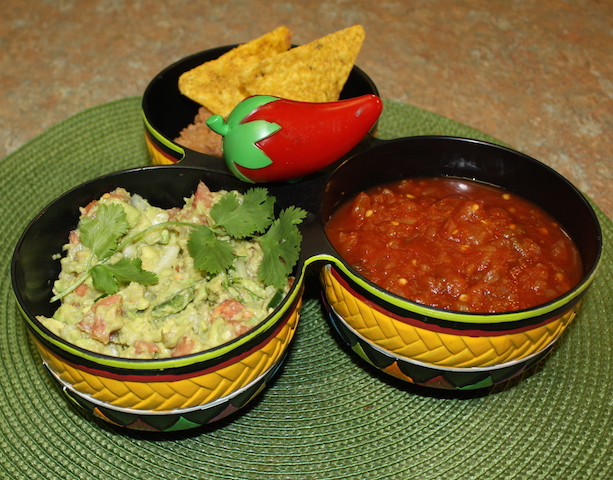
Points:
[[537, 75]]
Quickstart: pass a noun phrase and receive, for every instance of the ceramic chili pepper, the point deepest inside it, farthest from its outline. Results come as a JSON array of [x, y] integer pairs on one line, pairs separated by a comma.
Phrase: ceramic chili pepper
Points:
[[270, 139]]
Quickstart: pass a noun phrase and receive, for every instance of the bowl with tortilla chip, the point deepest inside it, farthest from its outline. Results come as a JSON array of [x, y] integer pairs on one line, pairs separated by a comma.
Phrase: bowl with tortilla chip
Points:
[[177, 102]]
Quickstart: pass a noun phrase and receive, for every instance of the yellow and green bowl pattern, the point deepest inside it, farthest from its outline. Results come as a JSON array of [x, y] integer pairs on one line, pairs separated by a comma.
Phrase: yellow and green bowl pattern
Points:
[[190, 391], [443, 352]]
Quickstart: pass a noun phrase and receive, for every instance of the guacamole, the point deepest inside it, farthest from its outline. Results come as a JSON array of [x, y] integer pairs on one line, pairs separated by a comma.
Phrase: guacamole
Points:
[[173, 308]]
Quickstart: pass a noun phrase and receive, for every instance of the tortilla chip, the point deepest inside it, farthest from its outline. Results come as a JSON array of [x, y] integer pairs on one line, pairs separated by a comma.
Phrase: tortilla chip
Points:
[[216, 84], [315, 72]]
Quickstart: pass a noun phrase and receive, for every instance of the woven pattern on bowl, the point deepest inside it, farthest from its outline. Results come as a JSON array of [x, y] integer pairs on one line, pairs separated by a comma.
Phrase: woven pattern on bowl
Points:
[[171, 395], [432, 347], [181, 419], [418, 373]]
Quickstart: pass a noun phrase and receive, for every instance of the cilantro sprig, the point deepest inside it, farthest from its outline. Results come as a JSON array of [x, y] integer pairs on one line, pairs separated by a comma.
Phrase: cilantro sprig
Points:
[[281, 246], [101, 234], [240, 220], [280, 238], [107, 277], [209, 245]]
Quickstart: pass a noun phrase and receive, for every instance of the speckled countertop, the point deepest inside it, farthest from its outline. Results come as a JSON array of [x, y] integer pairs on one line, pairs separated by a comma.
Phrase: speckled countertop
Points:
[[536, 75]]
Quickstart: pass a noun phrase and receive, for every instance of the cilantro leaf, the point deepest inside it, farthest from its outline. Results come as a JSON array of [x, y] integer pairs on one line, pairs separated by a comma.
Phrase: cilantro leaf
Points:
[[103, 279], [281, 247], [106, 277], [240, 220], [101, 234], [131, 270], [210, 254]]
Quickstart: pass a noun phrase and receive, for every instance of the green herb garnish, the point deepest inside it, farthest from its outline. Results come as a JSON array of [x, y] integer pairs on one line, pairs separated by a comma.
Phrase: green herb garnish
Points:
[[209, 245], [240, 220], [210, 253], [102, 233], [281, 247], [106, 277]]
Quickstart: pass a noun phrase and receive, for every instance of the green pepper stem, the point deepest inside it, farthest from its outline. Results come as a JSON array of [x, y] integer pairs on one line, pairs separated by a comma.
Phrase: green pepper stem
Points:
[[217, 124]]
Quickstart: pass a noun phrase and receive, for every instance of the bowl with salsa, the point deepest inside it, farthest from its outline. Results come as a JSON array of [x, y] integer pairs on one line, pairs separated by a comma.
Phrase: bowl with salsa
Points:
[[457, 263]]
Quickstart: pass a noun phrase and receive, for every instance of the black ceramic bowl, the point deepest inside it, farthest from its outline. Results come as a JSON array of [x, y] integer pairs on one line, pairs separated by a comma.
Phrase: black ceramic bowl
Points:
[[431, 346], [166, 111], [159, 394]]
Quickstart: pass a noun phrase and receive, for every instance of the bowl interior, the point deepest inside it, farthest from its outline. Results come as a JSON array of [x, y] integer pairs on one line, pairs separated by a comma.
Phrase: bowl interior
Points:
[[162, 95], [472, 159]]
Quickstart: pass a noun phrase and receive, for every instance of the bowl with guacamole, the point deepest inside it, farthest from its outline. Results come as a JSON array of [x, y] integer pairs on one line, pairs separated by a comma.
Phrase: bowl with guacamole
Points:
[[161, 298]]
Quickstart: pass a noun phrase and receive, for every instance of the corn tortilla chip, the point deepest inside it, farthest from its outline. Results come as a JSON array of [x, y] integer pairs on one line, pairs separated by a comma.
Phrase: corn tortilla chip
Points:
[[315, 72], [216, 84]]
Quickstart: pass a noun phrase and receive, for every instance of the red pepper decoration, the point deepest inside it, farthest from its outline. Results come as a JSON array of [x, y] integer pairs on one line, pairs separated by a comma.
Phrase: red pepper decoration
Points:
[[270, 139]]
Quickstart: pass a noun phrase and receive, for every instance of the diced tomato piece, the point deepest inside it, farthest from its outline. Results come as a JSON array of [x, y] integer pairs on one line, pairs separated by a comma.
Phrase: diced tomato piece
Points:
[[101, 325], [239, 327], [184, 347], [203, 195], [85, 211], [115, 299], [228, 309], [74, 238], [81, 290], [142, 346]]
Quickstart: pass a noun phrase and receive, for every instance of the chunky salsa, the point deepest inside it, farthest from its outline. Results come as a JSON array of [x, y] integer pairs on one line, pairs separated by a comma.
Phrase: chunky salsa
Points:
[[456, 244]]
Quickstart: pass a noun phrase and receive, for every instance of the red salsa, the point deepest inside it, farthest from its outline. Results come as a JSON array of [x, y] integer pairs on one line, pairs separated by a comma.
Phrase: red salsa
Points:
[[456, 244]]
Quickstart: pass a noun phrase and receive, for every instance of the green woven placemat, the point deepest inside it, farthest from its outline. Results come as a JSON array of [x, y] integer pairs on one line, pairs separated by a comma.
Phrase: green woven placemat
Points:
[[327, 416]]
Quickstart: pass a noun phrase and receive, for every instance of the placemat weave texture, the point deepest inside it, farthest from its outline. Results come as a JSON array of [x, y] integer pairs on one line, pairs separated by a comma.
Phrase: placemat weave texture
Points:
[[327, 415]]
